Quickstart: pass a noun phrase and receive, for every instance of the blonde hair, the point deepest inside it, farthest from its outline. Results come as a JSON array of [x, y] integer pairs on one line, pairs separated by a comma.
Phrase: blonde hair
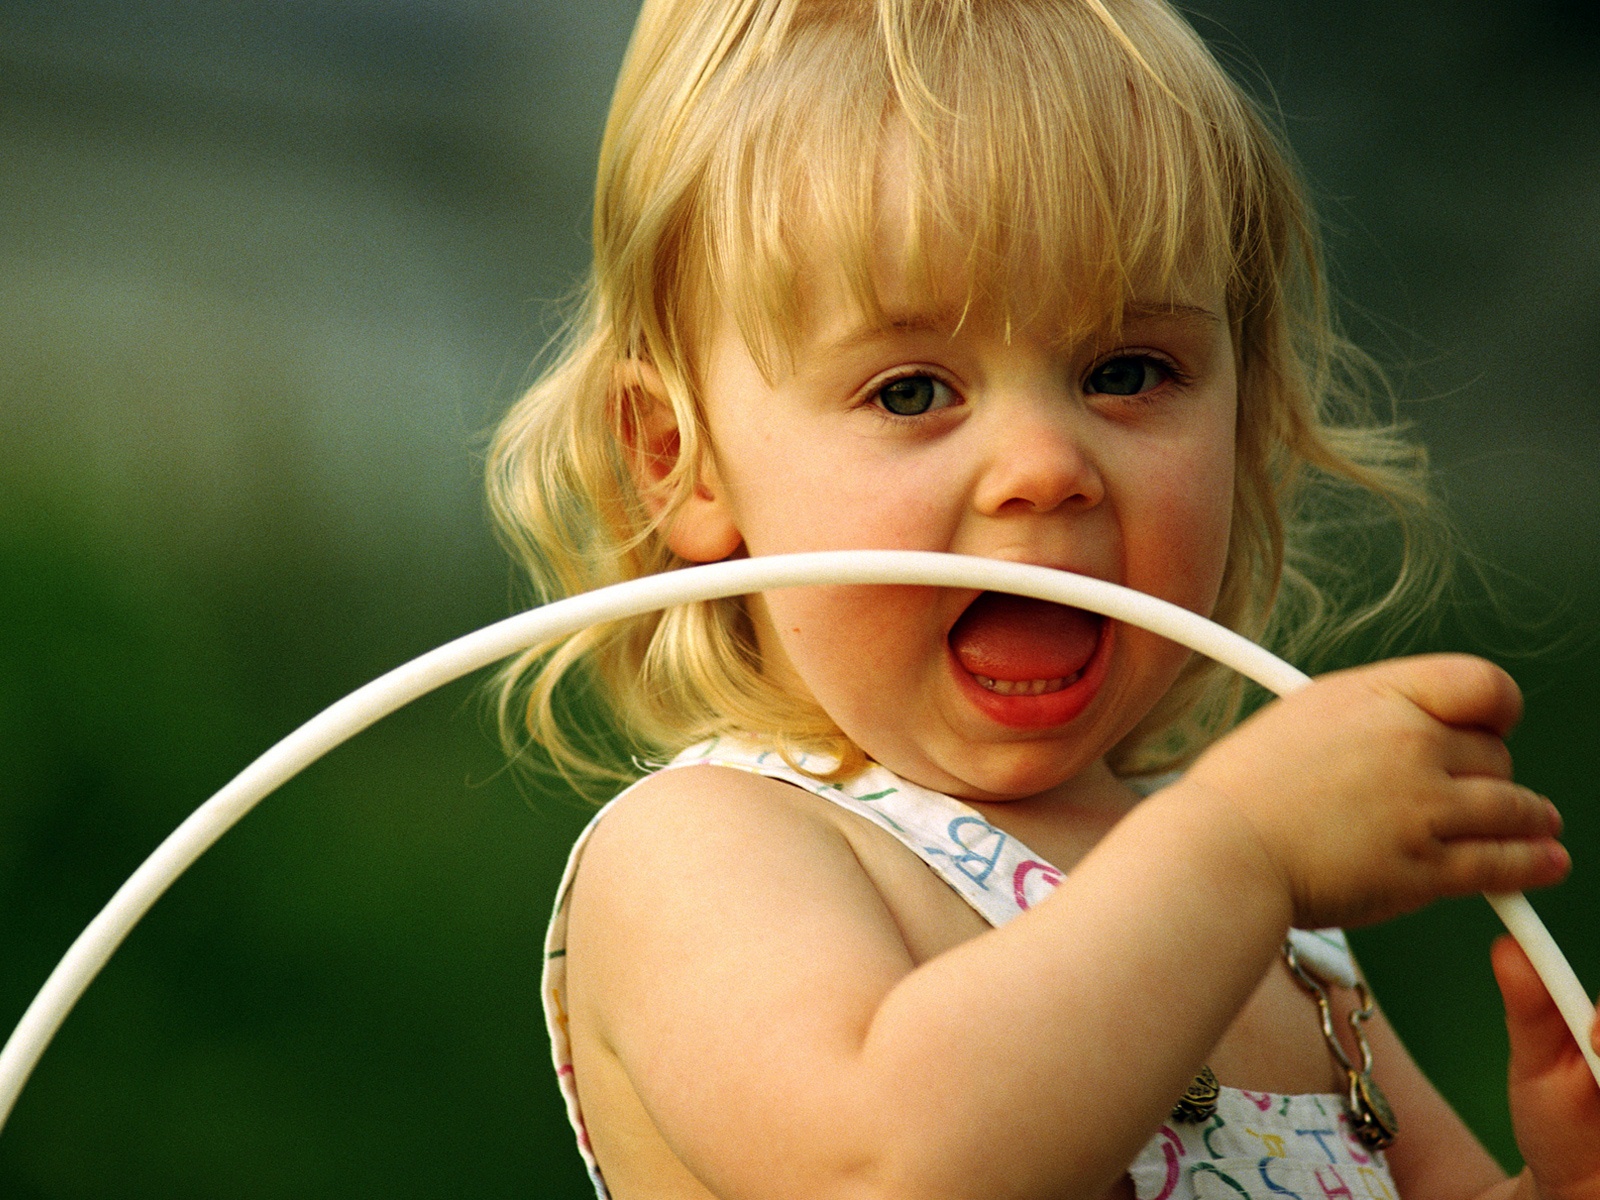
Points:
[[744, 134]]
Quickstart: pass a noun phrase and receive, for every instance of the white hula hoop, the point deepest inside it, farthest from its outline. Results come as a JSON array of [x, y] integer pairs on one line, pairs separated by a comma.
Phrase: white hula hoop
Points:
[[361, 708]]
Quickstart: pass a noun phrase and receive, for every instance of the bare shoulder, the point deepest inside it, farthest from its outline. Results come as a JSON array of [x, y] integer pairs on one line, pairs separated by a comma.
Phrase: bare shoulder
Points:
[[703, 870], [686, 836], [721, 933], [704, 824]]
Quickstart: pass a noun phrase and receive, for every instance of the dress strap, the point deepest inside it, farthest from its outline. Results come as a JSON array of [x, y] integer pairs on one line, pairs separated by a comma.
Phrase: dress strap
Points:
[[987, 867], [991, 870]]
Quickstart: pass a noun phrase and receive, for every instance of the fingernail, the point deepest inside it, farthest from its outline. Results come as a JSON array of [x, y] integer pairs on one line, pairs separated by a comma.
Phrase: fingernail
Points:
[[1556, 823], [1560, 858]]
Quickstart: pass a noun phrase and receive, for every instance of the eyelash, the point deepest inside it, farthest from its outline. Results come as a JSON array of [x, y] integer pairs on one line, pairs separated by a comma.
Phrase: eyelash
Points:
[[875, 392], [1169, 370]]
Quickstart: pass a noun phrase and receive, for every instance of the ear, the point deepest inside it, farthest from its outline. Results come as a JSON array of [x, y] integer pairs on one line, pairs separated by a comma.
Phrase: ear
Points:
[[701, 529]]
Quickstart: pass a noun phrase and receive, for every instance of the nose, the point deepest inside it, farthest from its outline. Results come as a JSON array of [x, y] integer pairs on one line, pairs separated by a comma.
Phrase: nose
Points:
[[1039, 458]]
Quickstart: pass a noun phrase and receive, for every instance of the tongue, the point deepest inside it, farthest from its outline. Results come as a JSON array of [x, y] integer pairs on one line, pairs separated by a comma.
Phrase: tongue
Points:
[[1014, 638]]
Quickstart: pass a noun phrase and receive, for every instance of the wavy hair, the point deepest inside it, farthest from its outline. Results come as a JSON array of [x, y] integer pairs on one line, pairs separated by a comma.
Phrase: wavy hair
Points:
[[1060, 153]]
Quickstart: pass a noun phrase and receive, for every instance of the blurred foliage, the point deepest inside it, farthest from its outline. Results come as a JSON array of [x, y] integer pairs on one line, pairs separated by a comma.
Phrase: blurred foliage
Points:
[[268, 271]]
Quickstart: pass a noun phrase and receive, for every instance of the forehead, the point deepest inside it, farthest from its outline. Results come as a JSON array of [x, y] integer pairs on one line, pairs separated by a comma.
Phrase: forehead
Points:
[[837, 328]]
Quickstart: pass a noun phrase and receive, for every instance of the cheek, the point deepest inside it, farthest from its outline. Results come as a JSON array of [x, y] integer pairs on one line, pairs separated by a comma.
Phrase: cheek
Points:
[[1183, 543], [1208, 515], [832, 637], [792, 495]]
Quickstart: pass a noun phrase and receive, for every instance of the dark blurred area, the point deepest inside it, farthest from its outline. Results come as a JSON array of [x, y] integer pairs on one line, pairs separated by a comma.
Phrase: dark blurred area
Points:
[[270, 270]]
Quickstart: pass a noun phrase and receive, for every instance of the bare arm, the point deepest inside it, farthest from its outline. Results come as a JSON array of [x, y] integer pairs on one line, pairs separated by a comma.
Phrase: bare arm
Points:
[[784, 1043], [758, 992]]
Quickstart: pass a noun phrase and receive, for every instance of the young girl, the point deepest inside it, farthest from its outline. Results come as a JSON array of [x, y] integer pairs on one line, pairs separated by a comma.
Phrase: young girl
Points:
[[911, 913]]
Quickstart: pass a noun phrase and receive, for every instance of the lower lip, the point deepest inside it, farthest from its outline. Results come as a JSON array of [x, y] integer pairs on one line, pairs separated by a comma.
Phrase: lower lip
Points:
[[1051, 708]]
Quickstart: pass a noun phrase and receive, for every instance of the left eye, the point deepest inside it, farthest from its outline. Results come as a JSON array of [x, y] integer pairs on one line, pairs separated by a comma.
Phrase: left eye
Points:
[[1131, 375], [913, 395]]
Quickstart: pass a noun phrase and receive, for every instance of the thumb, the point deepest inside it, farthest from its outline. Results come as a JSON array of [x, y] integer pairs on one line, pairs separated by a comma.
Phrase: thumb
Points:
[[1458, 689], [1540, 1039]]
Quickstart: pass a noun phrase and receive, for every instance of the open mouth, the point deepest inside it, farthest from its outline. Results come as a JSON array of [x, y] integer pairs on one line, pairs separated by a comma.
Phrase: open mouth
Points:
[[1030, 662]]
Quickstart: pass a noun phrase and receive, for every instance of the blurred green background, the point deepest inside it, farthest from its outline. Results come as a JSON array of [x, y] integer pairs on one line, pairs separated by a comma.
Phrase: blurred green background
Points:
[[270, 269]]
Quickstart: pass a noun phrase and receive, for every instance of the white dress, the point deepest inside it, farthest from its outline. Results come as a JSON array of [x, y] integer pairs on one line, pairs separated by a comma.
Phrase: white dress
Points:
[[1256, 1146]]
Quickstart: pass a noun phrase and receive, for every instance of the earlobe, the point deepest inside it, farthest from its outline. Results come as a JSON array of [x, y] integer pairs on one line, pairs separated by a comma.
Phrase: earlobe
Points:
[[700, 526]]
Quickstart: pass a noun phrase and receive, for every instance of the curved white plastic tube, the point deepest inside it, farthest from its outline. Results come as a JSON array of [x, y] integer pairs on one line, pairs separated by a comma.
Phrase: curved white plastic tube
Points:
[[1559, 978], [361, 708]]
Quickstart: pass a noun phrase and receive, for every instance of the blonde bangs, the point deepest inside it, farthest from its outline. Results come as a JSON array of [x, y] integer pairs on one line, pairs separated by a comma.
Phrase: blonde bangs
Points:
[[1053, 164]]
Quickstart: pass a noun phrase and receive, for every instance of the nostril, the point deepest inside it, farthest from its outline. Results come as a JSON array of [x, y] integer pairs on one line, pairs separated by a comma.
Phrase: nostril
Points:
[[1045, 485]]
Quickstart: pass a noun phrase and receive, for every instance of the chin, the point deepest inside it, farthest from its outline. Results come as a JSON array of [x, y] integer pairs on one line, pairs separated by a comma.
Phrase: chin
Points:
[[1000, 774]]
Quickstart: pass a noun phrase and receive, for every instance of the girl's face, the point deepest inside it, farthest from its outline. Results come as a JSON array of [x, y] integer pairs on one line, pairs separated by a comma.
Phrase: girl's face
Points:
[[1110, 458]]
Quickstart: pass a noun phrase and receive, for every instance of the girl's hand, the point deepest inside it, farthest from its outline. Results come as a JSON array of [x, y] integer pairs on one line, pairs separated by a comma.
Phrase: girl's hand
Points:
[[1555, 1105], [1377, 790]]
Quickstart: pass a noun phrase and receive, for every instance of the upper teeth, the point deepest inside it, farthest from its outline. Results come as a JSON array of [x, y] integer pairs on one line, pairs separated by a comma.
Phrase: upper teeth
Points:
[[1027, 687]]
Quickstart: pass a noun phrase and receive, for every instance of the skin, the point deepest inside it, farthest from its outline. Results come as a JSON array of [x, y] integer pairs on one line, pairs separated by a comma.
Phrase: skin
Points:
[[771, 998]]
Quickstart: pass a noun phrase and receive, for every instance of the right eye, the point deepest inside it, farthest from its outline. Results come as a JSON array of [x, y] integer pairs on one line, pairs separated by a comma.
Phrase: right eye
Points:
[[913, 395]]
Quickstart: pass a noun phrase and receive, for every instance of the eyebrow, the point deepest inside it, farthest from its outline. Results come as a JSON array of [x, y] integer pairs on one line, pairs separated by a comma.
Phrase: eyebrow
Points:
[[1192, 311], [937, 322], [922, 322]]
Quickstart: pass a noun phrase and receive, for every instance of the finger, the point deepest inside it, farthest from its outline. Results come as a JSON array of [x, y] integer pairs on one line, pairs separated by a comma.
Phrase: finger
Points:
[[1483, 807], [1458, 689], [1476, 752], [1512, 865], [1540, 1039]]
